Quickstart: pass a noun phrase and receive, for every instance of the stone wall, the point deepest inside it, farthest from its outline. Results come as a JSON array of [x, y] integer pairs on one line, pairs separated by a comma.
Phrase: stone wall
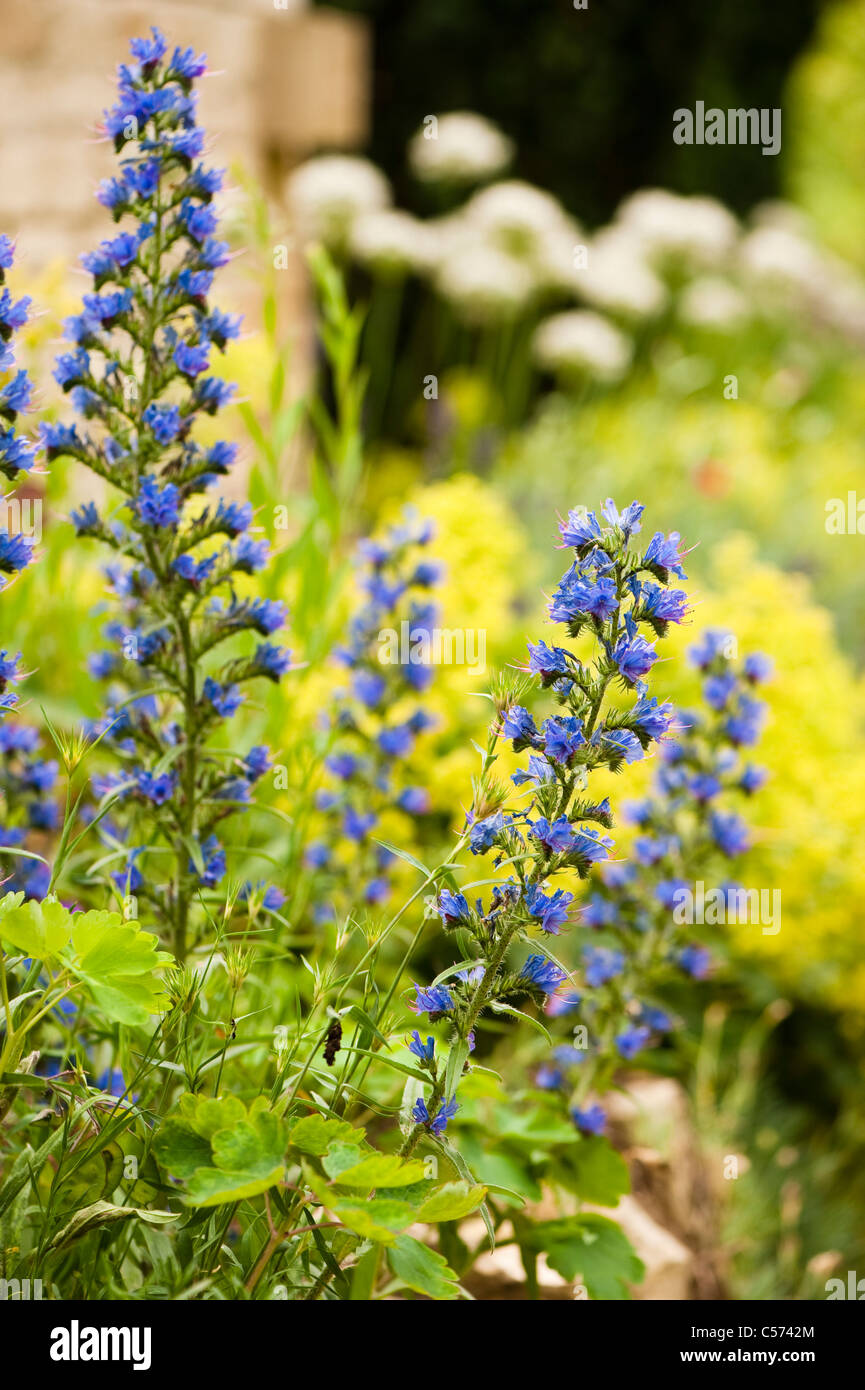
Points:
[[287, 80]]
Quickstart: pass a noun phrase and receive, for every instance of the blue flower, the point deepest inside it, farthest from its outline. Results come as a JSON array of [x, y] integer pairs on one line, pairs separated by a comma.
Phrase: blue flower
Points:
[[598, 912], [558, 1005], [655, 720], [730, 834], [316, 855], [225, 699], [213, 866], [425, 1051], [632, 1040], [519, 726], [396, 741], [562, 738], [591, 1120], [580, 529], [665, 605], [602, 964], [435, 1000], [415, 801], [452, 907], [758, 667], [623, 743], [191, 359], [657, 1019], [557, 838], [704, 787], [718, 689], [550, 663], [484, 833], [753, 778], [549, 1078], [356, 825], [552, 911], [627, 521], [544, 974], [634, 657], [696, 961], [579, 595], [16, 552], [369, 687], [157, 787], [662, 554], [164, 421], [271, 661], [713, 643], [157, 506], [437, 1126], [743, 726]]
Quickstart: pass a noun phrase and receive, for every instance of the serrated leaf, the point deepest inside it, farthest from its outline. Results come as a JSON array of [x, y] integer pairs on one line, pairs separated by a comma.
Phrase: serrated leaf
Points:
[[422, 1269], [314, 1134], [221, 1152], [380, 1219], [180, 1149], [382, 1170], [452, 1201], [39, 929], [339, 1157], [599, 1252]]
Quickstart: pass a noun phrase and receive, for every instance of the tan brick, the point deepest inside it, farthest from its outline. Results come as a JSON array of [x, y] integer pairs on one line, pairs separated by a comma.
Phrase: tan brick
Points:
[[312, 88]]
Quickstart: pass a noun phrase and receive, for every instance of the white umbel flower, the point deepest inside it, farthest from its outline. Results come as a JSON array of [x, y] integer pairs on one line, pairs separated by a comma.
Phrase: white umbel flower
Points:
[[327, 194], [529, 224], [483, 283], [699, 229], [392, 242], [617, 278], [580, 341], [460, 147], [780, 257], [711, 302]]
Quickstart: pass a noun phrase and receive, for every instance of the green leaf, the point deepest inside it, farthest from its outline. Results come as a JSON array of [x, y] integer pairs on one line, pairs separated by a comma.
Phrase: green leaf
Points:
[[181, 1150], [596, 1250], [221, 1151], [457, 1058], [403, 854], [118, 963], [40, 930], [103, 1214], [452, 1201], [594, 1171], [339, 1157], [364, 1276], [422, 1269], [382, 1170], [499, 1008], [380, 1219], [115, 959], [314, 1134]]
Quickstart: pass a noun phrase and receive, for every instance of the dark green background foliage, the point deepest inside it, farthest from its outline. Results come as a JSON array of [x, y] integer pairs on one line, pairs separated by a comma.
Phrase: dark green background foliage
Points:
[[588, 95]]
